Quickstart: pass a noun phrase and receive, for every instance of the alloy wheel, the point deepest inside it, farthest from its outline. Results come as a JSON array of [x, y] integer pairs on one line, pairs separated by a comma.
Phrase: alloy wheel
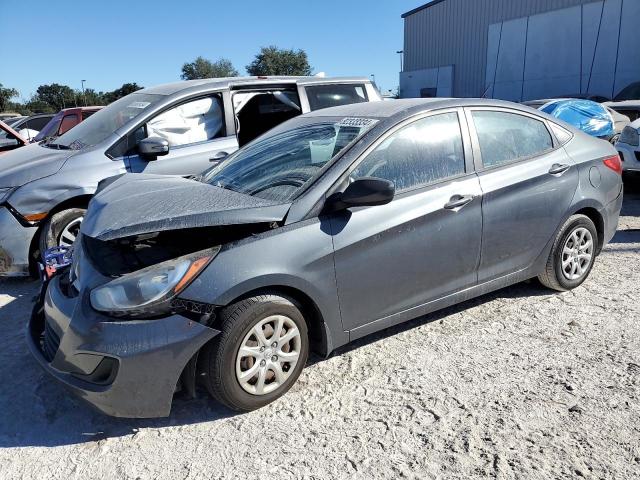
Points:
[[268, 355], [70, 232], [577, 254]]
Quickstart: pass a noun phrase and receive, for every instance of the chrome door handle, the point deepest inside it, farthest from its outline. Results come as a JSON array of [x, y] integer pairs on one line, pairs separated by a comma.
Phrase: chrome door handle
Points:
[[458, 201], [558, 168]]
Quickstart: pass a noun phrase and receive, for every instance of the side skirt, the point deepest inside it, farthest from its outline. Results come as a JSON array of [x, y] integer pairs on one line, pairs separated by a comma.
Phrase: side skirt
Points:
[[449, 300]]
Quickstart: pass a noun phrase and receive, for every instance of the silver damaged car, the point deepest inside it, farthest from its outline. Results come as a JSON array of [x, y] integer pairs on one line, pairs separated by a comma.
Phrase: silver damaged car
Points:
[[175, 129]]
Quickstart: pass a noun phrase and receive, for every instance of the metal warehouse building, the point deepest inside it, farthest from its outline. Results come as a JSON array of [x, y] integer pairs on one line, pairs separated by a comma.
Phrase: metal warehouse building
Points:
[[520, 49]]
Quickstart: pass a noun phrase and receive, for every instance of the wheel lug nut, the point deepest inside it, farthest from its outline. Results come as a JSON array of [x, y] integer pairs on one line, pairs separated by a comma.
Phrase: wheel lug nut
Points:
[[262, 349], [263, 363], [274, 344], [274, 358]]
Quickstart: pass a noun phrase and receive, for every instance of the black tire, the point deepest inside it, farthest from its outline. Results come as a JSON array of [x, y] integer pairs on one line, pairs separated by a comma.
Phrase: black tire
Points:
[[220, 355], [54, 225], [553, 276]]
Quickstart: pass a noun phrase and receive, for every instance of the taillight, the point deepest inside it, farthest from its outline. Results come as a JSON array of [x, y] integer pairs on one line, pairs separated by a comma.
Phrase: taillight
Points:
[[614, 163]]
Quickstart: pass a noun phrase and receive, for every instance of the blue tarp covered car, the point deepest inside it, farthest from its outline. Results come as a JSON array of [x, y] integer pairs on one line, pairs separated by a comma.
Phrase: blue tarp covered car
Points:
[[588, 116]]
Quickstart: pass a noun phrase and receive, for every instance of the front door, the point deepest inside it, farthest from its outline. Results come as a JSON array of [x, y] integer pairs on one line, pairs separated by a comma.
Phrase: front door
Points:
[[423, 245], [195, 131]]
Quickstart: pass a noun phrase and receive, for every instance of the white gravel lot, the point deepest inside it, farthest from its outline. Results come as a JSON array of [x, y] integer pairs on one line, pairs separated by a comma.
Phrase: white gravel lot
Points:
[[522, 383]]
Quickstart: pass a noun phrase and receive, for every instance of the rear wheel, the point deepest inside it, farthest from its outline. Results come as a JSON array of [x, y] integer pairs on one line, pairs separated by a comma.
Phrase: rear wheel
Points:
[[61, 228], [259, 354], [572, 255]]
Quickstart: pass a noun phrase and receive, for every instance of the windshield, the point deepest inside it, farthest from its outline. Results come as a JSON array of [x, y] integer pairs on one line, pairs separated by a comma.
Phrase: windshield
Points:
[[103, 123], [630, 92], [278, 166]]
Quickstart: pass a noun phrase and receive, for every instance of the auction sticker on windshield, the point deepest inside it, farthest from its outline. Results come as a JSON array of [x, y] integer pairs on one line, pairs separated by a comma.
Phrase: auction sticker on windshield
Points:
[[139, 105]]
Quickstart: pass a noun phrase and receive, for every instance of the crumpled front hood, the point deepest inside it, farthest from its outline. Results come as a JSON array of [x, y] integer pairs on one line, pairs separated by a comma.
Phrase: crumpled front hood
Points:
[[29, 163], [136, 204]]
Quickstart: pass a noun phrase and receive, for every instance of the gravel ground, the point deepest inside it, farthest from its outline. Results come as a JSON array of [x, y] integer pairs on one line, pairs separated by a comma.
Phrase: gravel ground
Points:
[[522, 383]]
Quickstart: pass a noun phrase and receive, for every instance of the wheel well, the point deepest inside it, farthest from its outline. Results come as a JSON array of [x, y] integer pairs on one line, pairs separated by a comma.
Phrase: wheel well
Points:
[[81, 201], [598, 221], [310, 311]]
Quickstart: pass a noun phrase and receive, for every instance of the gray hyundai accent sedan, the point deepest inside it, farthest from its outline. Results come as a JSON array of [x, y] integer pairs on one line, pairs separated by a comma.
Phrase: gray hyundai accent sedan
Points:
[[333, 225]]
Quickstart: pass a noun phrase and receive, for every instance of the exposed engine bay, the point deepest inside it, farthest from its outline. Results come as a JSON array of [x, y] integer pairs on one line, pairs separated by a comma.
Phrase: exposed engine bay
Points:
[[114, 258]]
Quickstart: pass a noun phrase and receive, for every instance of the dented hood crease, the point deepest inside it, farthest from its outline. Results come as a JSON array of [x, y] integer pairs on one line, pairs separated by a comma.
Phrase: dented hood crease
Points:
[[135, 204]]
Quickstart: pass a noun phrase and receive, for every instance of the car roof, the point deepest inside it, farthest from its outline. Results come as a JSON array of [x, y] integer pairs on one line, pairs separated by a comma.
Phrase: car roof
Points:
[[408, 106], [81, 109], [228, 82]]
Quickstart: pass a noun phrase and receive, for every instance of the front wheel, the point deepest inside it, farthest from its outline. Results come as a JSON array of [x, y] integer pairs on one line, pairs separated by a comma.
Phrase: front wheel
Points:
[[261, 350], [61, 228], [572, 255]]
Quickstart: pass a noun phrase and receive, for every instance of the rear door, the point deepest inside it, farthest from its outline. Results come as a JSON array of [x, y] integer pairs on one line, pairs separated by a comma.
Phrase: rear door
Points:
[[196, 132], [423, 245], [528, 182]]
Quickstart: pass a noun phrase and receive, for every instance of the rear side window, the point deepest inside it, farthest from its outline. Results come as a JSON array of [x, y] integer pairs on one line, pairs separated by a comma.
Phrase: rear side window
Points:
[[38, 123], [87, 113], [424, 152], [325, 96], [509, 137], [68, 122]]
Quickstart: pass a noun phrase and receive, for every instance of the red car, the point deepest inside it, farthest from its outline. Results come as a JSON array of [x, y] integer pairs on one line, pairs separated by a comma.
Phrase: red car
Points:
[[64, 121], [9, 138]]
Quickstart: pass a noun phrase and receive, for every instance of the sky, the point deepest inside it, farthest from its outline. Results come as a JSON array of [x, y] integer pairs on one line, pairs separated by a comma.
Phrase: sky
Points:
[[111, 42]]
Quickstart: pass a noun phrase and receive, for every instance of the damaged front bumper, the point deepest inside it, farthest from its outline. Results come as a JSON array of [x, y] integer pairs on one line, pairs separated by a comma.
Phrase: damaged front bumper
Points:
[[123, 368], [15, 244]]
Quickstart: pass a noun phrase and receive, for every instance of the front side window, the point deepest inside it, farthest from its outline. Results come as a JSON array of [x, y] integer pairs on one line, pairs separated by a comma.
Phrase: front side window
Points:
[[424, 152], [191, 122], [325, 96], [508, 137], [279, 165]]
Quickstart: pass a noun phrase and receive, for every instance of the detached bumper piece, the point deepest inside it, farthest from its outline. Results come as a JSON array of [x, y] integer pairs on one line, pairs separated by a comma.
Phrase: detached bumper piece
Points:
[[123, 368], [15, 241]]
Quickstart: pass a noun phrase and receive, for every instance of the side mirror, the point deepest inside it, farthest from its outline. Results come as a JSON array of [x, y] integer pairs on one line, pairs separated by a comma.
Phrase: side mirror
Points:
[[153, 147], [365, 191]]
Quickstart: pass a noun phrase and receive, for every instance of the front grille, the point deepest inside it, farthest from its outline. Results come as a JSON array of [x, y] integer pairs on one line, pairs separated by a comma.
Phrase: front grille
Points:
[[50, 342]]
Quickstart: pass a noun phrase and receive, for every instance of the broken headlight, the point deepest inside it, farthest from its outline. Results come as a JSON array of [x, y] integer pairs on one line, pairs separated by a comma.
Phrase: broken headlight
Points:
[[148, 292]]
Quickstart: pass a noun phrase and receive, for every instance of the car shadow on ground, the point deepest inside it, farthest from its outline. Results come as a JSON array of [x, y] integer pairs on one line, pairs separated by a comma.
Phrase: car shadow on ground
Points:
[[529, 288]]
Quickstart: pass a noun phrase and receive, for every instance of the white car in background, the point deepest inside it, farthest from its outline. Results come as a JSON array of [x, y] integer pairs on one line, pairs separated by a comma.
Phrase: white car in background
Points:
[[628, 145]]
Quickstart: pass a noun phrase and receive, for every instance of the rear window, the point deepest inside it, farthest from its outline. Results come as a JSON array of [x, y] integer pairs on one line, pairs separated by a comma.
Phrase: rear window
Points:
[[87, 114], [325, 96]]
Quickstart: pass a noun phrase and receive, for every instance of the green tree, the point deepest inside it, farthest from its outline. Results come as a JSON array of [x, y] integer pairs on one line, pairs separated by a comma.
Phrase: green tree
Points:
[[57, 96], [35, 105], [91, 97], [274, 61], [123, 91], [203, 68], [6, 94]]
